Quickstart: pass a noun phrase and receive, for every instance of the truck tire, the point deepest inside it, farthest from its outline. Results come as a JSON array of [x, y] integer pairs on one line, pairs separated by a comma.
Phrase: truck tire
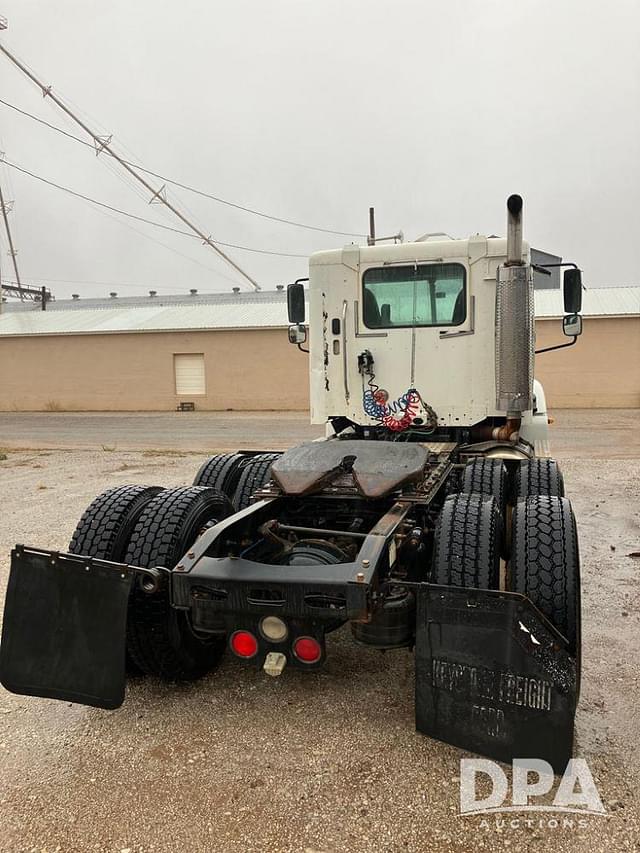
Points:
[[253, 474], [538, 477], [106, 525], [545, 564], [220, 472], [160, 639], [486, 477], [467, 543]]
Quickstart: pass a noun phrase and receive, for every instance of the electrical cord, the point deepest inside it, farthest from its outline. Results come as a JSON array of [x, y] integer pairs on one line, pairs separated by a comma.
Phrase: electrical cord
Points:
[[386, 412]]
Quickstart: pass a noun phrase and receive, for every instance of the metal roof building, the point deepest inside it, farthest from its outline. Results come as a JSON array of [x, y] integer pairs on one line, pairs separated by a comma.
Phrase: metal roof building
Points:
[[218, 311], [596, 302], [264, 310]]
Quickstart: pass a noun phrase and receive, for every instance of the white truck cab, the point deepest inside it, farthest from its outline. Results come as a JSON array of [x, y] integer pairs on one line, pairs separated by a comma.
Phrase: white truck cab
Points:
[[425, 312], [436, 334]]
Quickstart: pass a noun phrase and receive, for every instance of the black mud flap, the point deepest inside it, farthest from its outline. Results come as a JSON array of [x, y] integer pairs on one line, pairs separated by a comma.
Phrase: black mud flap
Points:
[[63, 634], [493, 676]]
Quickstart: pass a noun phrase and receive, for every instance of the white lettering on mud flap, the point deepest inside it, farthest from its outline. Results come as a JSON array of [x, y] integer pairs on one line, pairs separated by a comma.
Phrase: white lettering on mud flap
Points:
[[490, 720], [478, 682]]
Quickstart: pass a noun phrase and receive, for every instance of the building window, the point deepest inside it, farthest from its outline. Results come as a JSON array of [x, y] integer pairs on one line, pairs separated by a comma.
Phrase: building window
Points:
[[188, 368]]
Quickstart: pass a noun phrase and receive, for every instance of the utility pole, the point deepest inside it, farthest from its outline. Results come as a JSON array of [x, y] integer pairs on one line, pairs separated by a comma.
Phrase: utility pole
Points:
[[102, 143], [12, 251]]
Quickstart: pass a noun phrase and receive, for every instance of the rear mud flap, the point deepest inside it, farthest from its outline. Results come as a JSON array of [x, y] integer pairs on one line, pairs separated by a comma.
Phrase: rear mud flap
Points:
[[493, 676], [63, 635]]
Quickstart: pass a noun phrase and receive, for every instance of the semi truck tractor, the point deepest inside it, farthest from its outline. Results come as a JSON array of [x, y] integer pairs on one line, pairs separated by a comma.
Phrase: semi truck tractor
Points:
[[426, 517]]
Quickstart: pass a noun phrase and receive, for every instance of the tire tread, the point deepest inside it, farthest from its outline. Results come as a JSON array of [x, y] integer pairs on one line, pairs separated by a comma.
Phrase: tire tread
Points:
[[486, 477], [103, 527], [539, 476], [545, 560], [158, 639], [467, 542], [218, 472], [253, 475]]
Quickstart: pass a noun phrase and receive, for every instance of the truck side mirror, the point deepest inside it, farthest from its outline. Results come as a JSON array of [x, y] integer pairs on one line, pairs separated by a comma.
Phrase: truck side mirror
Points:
[[572, 286], [297, 334], [295, 302], [572, 325]]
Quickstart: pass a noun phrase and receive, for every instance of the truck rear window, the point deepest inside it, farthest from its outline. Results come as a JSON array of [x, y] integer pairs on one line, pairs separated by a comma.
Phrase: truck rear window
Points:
[[420, 295]]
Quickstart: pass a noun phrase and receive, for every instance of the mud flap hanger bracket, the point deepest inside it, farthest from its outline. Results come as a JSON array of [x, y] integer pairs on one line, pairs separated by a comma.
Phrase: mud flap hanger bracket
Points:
[[153, 577]]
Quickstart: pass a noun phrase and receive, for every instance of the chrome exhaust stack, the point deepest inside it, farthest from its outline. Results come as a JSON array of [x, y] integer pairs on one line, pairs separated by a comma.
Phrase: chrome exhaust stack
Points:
[[514, 231], [514, 322]]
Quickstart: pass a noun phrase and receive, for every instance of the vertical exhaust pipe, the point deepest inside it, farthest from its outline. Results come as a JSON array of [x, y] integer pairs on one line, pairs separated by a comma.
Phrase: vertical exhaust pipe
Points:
[[514, 231], [514, 325]]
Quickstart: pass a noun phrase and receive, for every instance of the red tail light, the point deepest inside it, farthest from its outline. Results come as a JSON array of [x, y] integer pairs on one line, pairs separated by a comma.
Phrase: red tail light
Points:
[[307, 649], [244, 644]]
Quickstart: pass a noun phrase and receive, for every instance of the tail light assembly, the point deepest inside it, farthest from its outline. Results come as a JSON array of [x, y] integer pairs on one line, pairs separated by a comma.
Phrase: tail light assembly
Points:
[[307, 649], [243, 644]]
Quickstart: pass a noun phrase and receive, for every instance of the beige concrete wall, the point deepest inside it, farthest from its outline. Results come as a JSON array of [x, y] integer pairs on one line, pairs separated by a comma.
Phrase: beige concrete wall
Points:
[[602, 370], [245, 370], [259, 369]]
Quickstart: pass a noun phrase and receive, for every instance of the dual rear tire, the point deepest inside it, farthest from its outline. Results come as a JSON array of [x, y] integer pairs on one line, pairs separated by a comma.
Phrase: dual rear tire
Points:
[[106, 526], [530, 477], [107, 523], [544, 561], [147, 526]]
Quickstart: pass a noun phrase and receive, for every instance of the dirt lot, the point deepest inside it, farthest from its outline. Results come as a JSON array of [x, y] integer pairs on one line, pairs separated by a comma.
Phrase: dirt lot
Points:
[[322, 762]]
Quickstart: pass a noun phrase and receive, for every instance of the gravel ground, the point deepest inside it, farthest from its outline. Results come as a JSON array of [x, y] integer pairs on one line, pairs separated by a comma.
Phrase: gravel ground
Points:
[[321, 762]]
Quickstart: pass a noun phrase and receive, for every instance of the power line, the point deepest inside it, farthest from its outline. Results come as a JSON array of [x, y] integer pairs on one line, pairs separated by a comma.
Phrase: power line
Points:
[[186, 186], [102, 143], [152, 239], [142, 218]]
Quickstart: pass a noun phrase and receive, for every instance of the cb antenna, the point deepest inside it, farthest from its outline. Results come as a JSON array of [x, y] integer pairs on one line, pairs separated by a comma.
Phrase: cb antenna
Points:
[[103, 143], [372, 240]]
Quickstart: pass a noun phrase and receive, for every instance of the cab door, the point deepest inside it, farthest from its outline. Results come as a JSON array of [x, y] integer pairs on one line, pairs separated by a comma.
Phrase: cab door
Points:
[[415, 308]]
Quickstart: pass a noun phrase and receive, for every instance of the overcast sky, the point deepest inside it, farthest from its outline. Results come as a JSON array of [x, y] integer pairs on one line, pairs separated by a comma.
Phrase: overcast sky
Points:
[[432, 112]]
